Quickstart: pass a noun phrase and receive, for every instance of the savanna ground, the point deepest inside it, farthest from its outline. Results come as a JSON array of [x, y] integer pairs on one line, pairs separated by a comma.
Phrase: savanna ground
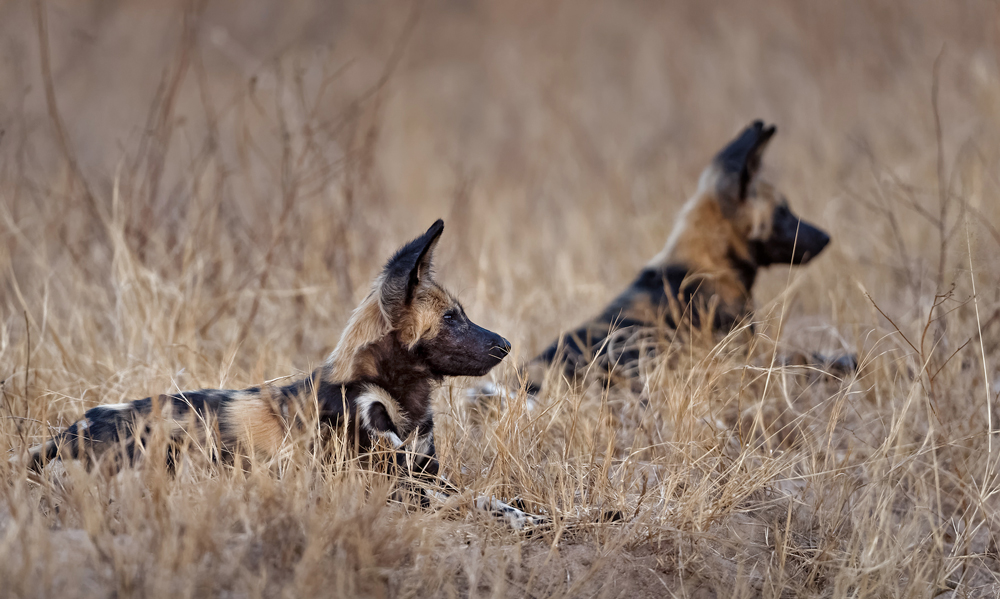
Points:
[[200, 201]]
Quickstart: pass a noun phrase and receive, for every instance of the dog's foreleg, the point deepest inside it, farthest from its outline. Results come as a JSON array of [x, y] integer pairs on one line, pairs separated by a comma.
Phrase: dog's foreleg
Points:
[[417, 457], [516, 518]]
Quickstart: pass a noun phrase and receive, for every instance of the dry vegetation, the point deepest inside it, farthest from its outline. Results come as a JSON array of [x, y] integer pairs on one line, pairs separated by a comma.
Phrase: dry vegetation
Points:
[[200, 202]]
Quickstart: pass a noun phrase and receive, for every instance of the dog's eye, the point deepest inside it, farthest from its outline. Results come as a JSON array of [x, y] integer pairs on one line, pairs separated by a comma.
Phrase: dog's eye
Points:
[[449, 315]]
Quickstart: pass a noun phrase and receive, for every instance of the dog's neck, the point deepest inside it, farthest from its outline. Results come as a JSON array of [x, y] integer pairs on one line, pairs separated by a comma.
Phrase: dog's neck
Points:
[[744, 268], [719, 264], [399, 370]]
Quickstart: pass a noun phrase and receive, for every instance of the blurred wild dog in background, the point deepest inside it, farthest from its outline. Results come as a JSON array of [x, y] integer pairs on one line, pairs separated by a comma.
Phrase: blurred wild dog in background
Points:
[[735, 224], [399, 345]]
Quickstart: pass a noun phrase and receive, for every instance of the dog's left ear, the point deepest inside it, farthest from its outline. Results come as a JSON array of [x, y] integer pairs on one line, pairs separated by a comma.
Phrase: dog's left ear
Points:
[[739, 162], [409, 268]]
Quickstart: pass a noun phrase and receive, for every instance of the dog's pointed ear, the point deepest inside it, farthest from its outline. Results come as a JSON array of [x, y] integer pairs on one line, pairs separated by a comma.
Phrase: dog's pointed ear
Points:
[[739, 162], [409, 268]]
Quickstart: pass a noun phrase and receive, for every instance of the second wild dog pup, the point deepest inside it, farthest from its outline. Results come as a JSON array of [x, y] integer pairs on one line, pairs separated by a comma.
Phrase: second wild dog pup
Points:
[[399, 345], [736, 223]]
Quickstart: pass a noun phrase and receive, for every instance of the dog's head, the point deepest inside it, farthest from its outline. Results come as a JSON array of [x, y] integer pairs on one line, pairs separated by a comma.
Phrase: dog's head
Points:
[[761, 219], [428, 320]]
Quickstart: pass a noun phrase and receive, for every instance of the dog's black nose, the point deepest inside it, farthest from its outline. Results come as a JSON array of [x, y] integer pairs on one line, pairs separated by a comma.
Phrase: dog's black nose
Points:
[[503, 347], [822, 240]]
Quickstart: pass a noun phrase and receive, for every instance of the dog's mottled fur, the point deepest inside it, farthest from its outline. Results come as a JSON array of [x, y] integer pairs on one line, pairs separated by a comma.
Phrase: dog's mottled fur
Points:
[[399, 345], [736, 224]]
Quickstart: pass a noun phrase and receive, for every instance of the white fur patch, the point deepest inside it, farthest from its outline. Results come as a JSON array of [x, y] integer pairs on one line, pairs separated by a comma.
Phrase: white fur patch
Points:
[[437, 495], [391, 437], [422, 444], [374, 394]]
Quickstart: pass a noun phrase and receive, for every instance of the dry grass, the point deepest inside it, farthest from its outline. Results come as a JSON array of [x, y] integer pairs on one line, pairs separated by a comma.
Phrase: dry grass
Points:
[[202, 201]]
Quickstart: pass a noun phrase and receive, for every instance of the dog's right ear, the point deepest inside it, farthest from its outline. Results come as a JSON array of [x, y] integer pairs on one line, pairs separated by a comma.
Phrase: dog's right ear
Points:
[[408, 269], [735, 167]]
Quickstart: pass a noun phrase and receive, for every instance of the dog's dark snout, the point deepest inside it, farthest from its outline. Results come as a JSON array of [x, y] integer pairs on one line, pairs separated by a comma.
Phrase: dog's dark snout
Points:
[[822, 240], [813, 240]]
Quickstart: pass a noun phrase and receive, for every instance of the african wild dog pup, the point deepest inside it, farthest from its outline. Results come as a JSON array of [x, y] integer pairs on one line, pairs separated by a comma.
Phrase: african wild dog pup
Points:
[[735, 224], [398, 346]]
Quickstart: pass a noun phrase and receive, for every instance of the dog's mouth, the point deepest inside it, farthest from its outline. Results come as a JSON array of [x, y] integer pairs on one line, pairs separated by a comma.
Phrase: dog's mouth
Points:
[[491, 361]]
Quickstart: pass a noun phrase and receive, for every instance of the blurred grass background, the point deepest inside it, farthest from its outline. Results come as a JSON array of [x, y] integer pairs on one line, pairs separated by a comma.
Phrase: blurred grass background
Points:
[[197, 194]]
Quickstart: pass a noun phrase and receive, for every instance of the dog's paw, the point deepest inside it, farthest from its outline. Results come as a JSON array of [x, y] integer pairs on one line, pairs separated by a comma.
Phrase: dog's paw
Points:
[[528, 523], [489, 392], [518, 519]]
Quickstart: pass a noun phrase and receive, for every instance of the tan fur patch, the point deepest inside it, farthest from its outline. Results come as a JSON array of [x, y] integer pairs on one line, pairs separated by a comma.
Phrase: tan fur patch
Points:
[[700, 236], [423, 320], [364, 365], [707, 235], [754, 218], [368, 324], [253, 423]]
